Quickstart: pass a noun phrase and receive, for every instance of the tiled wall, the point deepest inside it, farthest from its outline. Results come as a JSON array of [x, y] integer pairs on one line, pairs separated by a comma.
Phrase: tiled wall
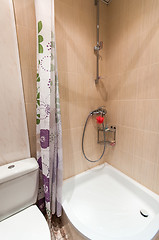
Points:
[[129, 88], [132, 82], [13, 144], [26, 31], [76, 38]]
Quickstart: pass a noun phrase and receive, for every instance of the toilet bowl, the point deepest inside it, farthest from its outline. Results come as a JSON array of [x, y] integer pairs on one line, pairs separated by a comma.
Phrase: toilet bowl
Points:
[[20, 218], [28, 224]]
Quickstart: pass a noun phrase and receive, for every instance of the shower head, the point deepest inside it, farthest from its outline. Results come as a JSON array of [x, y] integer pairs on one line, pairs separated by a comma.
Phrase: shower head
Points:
[[106, 1]]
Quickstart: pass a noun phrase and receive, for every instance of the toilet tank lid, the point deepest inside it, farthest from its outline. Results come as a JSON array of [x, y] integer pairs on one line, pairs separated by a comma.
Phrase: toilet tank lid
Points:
[[16, 169]]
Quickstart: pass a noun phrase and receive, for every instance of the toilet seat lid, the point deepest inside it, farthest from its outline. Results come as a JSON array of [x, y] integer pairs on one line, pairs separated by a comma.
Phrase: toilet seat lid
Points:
[[27, 224]]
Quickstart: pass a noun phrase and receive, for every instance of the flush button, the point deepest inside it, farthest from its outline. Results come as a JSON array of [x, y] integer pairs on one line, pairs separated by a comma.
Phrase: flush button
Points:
[[11, 166]]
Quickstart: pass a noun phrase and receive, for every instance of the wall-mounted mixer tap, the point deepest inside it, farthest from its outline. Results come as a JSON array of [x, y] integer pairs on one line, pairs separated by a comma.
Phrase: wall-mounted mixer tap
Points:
[[101, 110]]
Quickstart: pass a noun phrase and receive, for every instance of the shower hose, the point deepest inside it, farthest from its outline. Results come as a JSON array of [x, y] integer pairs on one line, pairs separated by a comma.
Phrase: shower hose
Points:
[[90, 114]]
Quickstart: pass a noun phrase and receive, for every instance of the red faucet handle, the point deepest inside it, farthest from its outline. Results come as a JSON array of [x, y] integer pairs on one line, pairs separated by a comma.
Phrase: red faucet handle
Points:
[[100, 119]]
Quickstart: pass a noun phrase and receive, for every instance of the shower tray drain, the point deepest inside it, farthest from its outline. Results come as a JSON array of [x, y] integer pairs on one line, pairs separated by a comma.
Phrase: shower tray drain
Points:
[[144, 213]]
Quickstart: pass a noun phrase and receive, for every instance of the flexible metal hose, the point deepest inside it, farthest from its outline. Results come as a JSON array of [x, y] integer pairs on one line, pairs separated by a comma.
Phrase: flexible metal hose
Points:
[[83, 141]]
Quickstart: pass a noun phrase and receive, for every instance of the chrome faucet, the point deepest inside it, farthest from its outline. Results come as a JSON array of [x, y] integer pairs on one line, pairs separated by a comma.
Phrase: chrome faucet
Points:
[[101, 110]]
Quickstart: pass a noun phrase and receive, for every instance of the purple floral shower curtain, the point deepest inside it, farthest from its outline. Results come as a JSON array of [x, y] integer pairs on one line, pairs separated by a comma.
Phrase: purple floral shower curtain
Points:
[[49, 132]]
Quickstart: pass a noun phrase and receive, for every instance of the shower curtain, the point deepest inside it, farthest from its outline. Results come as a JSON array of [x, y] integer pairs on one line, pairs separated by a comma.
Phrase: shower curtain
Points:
[[49, 132]]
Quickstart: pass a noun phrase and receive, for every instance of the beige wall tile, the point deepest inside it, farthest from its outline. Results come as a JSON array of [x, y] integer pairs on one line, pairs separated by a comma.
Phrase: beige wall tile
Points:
[[123, 161], [76, 38], [137, 165], [146, 12], [132, 102], [112, 112], [65, 115], [126, 113], [126, 163], [32, 140], [113, 87], [134, 16], [147, 176], [23, 43], [31, 121], [129, 87], [25, 13], [26, 33], [146, 145], [29, 84], [63, 86], [132, 50], [142, 173], [144, 83], [148, 82], [32, 49], [145, 42], [147, 115], [125, 139], [154, 48], [156, 179], [19, 7], [154, 71]]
